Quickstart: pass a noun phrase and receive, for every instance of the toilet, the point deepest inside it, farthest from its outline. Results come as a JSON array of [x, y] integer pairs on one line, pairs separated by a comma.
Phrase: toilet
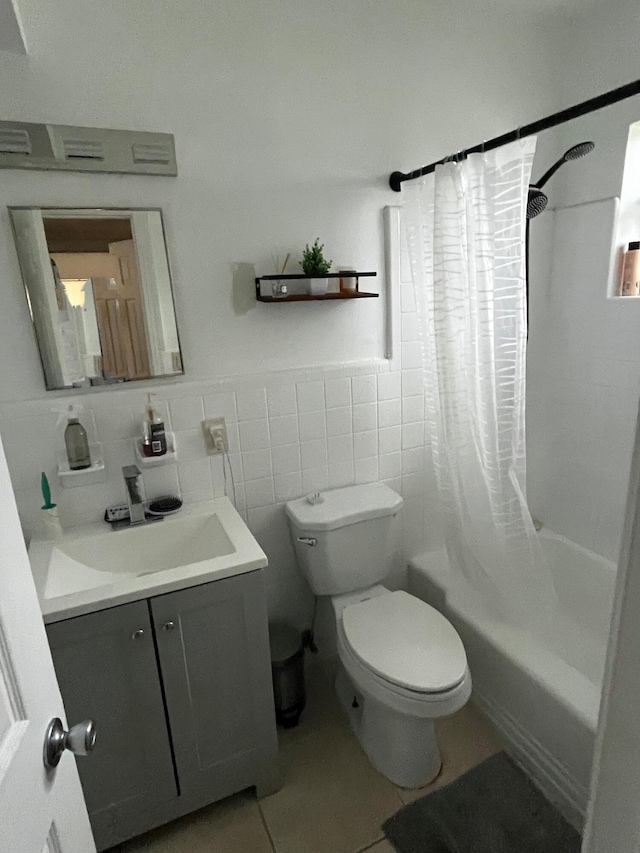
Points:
[[403, 664]]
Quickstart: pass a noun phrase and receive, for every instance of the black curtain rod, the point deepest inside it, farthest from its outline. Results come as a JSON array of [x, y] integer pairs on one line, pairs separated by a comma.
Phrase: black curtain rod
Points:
[[593, 104]]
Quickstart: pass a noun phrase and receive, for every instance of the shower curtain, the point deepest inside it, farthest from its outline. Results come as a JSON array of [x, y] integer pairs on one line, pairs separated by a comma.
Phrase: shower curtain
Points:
[[465, 228]]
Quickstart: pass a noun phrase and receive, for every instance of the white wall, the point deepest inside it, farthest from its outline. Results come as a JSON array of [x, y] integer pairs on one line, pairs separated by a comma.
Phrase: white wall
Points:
[[584, 353], [288, 118]]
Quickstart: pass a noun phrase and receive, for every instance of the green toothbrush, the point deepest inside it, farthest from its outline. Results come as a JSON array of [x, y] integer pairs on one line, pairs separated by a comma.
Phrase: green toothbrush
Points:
[[46, 492]]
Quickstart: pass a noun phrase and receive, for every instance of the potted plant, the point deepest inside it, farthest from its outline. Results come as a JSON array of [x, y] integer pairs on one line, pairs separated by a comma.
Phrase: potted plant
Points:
[[316, 267]]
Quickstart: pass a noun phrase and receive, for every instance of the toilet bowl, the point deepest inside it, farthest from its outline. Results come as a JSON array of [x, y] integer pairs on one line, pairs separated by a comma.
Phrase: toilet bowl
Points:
[[402, 664], [405, 665]]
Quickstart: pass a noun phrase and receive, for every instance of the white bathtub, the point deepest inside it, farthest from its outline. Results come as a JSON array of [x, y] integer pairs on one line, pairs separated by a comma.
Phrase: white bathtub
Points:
[[545, 701]]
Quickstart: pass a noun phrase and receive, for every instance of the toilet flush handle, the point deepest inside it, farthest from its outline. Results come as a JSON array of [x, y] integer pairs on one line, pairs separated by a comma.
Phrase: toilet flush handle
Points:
[[307, 540]]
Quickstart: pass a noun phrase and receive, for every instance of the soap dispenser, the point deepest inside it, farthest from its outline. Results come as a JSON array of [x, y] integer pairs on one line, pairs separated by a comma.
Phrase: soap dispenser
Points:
[[76, 442], [154, 439]]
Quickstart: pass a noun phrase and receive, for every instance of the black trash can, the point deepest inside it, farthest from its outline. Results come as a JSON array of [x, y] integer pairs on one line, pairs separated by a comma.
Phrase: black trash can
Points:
[[287, 670]]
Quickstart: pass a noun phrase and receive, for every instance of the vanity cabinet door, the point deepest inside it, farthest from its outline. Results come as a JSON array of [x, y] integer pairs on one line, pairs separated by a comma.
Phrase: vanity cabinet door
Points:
[[107, 670], [213, 644]]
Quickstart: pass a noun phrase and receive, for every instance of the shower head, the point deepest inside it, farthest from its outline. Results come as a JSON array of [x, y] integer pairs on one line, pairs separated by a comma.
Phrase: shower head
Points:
[[579, 150], [536, 202], [574, 153]]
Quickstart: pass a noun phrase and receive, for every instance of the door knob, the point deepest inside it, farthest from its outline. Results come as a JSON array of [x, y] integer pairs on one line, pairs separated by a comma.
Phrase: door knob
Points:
[[80, 740], [138, 635], [168, 626]]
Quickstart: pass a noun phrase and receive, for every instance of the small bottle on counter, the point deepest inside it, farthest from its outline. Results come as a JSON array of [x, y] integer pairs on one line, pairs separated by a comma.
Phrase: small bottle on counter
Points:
[[630, 283]]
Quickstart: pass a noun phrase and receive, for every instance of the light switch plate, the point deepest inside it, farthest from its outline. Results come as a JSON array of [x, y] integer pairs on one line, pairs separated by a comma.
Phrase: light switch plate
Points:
[[213, 426]]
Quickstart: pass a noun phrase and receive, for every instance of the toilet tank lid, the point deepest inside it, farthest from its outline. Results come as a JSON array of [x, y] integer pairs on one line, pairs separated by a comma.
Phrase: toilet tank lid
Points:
[[341, 507]]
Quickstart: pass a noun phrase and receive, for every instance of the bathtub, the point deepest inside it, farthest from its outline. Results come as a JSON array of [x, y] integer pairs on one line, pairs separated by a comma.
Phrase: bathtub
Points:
[[544, 701]]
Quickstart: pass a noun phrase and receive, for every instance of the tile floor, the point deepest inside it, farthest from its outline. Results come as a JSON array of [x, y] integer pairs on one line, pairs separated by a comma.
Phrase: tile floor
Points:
[[332, 799]]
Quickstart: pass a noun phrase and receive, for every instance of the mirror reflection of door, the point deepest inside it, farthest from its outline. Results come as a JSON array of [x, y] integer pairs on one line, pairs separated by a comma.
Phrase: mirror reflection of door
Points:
[[99, 293], [114, 278]]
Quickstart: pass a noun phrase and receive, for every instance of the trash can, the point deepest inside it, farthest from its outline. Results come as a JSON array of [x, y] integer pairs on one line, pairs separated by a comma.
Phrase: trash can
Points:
[[287, 670]]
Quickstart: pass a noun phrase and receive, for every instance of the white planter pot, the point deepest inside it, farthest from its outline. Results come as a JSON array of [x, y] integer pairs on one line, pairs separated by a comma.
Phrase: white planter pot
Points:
[[318, 286]]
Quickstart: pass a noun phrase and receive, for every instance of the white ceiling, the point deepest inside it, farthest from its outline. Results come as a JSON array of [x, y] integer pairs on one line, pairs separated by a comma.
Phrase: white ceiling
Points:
[[10, 34]]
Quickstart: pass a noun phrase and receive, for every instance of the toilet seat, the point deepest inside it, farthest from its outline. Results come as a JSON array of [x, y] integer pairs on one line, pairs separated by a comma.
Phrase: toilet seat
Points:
[[405, 642]]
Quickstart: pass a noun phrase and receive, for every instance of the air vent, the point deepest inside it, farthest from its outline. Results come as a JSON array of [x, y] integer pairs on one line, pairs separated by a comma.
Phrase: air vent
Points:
[[152, 152], [14, 141], [83, 149], [66, 148]]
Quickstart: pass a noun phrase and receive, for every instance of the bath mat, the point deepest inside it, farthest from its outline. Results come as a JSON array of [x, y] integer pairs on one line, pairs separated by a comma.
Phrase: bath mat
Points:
[[494, 808]]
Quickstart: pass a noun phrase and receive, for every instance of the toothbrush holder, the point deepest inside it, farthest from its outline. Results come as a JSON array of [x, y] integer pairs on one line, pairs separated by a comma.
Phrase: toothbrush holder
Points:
[[52, 526]]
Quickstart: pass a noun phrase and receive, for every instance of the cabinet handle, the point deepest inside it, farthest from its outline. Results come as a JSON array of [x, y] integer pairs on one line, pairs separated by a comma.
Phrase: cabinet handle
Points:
[[168, 626], [137, 635]]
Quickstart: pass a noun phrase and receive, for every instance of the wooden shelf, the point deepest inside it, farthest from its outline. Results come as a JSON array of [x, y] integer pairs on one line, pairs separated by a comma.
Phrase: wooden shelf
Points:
[[310, 297]]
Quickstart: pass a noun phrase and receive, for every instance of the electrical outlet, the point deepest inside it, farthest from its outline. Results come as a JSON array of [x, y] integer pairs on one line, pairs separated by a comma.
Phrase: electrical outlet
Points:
[[215, 431]]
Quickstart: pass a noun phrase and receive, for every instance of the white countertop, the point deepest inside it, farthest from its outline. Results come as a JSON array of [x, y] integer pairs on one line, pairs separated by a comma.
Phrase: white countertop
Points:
[[73, 575]]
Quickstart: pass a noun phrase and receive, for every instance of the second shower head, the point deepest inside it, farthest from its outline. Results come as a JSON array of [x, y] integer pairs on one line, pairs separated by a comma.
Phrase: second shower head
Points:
[[537, 200]]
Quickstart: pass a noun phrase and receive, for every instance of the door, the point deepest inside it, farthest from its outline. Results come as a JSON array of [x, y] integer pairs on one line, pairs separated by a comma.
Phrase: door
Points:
[[213, 644], [131, 308], [40, 811], [613, 821], [107, 670], [118, 305]]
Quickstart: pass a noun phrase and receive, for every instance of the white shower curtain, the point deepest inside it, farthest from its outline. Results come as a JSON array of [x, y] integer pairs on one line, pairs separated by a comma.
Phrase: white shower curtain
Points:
[[465, 227]]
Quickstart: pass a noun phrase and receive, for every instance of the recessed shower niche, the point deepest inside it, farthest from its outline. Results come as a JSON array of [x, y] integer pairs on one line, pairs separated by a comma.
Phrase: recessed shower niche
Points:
[[627, 227]]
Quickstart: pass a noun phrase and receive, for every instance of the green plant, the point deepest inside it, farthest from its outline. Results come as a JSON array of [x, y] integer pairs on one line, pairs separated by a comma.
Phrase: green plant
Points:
[[313, 260]]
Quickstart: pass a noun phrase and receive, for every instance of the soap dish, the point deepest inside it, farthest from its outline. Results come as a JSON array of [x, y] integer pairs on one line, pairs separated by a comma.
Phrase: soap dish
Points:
[[96, 473], [167, 458]]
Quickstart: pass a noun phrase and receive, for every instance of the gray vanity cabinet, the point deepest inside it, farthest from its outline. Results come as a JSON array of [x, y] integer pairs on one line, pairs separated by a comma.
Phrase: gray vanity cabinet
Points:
[[213, 645], [180, 688], [106, 667]]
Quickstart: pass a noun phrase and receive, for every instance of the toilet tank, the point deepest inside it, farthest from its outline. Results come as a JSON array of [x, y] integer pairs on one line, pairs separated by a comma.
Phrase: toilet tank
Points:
[[344, 537]]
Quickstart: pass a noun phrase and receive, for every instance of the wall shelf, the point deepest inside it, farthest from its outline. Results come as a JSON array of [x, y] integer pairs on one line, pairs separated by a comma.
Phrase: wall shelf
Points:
[[309, 297], [96, 473], [168, 458]]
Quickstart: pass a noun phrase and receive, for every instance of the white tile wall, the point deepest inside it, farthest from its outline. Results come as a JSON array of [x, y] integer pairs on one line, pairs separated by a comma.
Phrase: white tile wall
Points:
[[290, 433], [310, 396], [389, 413], [363, 389], [337, 392], [583, 376], [365, 417], [389, 386]]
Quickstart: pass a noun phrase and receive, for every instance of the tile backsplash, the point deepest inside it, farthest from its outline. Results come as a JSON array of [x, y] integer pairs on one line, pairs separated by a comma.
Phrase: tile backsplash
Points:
[[289, 434]]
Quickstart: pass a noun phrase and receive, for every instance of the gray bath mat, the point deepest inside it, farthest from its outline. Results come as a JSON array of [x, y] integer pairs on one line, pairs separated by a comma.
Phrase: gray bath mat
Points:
[[493, 808]]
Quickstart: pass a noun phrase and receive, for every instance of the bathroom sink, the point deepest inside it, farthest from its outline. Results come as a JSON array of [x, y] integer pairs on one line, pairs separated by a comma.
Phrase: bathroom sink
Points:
[[93, 567]]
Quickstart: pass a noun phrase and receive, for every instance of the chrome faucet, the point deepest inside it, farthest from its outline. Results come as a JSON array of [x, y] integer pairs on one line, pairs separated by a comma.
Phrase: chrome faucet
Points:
[[135, 494]]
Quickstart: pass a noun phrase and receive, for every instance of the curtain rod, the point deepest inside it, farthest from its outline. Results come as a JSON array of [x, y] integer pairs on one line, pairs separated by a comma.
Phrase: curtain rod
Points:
[[593, 104]]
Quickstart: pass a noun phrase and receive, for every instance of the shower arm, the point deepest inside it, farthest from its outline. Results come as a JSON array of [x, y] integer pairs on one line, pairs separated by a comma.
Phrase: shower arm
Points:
[[549, 173]]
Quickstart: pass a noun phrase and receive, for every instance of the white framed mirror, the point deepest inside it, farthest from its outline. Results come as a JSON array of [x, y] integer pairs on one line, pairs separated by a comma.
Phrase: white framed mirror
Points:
[[100, 296]]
